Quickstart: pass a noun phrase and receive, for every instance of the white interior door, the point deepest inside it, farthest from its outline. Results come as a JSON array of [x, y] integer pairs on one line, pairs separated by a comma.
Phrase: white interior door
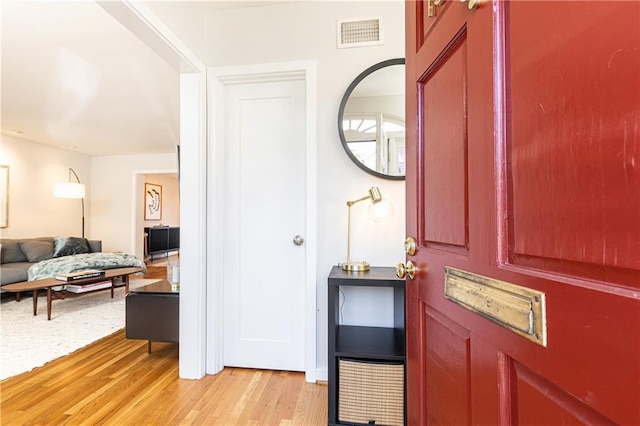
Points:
[[265, 209]]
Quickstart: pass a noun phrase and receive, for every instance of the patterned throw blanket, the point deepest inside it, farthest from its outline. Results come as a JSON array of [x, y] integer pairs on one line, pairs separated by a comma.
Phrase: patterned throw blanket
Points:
[[78, 262]]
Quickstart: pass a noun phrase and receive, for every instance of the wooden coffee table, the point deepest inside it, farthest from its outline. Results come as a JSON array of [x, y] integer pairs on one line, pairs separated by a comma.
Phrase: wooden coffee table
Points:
[[48, 283]]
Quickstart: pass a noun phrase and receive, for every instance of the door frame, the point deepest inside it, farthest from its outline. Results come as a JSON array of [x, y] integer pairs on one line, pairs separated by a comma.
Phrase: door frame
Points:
[[137, 219], [218, 80], [138, 18]]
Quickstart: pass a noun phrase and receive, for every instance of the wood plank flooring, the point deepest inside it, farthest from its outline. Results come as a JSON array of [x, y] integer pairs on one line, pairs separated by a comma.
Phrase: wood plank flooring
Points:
[[115, 382]]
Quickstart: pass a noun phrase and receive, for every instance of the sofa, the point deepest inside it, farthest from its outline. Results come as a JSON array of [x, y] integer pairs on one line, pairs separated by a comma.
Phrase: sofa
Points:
[[18, 255]]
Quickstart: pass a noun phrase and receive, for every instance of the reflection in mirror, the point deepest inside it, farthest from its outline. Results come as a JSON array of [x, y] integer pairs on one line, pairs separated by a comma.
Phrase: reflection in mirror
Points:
[[371, 120]]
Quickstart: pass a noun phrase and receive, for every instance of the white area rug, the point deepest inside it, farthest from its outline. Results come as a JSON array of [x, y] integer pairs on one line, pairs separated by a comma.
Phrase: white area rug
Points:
[[28, 341]]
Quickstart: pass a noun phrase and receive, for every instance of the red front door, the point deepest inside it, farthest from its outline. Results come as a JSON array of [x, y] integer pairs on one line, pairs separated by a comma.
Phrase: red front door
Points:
[[523, 194]]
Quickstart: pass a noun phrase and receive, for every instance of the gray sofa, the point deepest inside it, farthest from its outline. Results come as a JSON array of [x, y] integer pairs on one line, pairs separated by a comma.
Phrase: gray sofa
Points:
[[17, 255]]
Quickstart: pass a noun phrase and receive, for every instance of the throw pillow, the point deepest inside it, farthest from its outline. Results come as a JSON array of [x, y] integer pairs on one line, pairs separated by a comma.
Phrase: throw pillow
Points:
[[11, 251], [37, 250], [65, 246]]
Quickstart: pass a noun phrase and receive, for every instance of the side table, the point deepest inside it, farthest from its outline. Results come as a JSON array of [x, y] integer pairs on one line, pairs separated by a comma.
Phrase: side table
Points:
[[153, 313], [366, 365]]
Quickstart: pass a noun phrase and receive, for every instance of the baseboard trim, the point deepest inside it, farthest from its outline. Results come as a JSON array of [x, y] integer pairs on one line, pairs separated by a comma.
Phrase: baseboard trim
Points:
[[322, 374]]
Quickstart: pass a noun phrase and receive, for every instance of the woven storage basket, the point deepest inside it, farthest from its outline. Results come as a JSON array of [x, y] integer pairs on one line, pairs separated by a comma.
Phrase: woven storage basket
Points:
[[370, 392]]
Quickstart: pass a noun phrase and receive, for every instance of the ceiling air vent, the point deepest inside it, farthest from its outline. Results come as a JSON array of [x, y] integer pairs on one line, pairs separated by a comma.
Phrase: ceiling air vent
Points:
[[359, 32]]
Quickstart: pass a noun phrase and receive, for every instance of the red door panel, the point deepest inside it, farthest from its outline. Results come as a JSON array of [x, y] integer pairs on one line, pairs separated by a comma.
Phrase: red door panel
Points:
[[523, 140], [540, 402], [444, 133], [447, 366], [573, 95]]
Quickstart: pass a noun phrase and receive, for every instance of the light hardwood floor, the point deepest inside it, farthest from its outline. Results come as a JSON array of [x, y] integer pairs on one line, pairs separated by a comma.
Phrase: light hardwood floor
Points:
[[115, 382]]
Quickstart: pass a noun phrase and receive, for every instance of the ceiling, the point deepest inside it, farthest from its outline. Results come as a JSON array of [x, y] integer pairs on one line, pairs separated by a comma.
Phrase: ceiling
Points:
[[74, 78]]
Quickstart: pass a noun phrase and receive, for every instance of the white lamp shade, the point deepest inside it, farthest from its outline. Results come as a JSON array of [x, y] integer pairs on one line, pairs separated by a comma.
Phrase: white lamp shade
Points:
[[68, 190]]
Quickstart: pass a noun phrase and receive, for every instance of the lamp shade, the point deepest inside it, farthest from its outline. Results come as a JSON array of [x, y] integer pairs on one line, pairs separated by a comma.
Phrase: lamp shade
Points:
[[381, 211], [375, 195], [68, 190]]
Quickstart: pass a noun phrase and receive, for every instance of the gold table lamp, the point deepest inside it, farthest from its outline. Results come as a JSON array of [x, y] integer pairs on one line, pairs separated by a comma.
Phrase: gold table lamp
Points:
[[375, 197]]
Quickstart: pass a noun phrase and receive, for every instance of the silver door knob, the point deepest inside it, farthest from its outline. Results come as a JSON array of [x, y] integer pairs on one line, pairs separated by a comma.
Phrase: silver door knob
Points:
[[298, 240]]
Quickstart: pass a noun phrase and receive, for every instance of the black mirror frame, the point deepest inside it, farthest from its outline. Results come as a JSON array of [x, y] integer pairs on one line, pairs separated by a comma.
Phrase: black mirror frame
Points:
[[343, 103]]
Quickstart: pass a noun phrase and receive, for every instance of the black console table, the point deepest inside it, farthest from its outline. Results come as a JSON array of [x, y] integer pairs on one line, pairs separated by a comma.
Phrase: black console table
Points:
[[153, 313], [366, 365], [162, 239]]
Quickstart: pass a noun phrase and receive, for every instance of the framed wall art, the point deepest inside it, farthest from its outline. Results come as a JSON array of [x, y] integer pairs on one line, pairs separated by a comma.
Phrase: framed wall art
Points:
[[4, 196], [152, 201]]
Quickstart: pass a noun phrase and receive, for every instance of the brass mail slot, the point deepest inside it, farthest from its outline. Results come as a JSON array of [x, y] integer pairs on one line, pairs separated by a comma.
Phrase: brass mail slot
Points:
[[520, 309]]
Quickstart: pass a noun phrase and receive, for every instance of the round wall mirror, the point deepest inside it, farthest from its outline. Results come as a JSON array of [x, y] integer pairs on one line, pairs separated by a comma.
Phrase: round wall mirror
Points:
[[371, 120]]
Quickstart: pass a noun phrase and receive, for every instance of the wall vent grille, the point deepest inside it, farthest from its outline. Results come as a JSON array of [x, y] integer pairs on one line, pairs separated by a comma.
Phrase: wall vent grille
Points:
[[359, 32]]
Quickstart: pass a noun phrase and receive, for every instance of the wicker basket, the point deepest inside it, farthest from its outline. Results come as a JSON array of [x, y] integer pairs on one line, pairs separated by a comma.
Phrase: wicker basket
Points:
[[370, 392]]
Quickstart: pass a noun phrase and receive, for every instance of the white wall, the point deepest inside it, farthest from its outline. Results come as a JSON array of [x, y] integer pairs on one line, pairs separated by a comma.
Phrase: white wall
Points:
[[117, 188], [111, 212], [307, 31], [33, 171]]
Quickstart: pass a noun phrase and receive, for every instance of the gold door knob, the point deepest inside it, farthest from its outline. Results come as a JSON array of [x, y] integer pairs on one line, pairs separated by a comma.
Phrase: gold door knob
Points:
[[473, 4], [409, 270], [410, 246]]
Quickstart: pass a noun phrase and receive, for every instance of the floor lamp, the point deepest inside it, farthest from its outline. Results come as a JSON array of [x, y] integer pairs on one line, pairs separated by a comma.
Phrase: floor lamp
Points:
[[375, 197], [71, 190]]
